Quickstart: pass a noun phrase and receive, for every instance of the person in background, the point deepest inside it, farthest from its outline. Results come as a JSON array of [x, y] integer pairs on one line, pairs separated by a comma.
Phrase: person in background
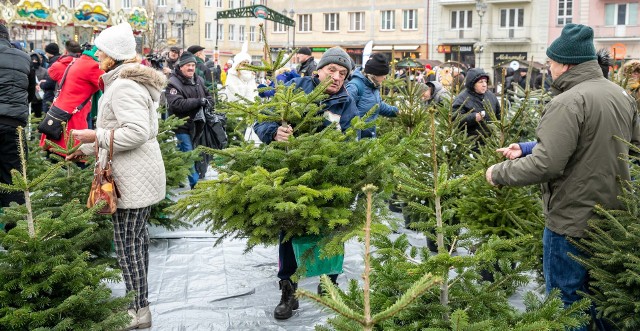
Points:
[[306, 62], [225, 71], [172, 58], [186, 95], [201, 69], [364, 88], [17, 88], [241, 82], [81, 82], [128, 108], [338, 108], [430, 74], [52, 52], [577, 159], [630, 74], [435, 93], [41, 74], [473, 103]]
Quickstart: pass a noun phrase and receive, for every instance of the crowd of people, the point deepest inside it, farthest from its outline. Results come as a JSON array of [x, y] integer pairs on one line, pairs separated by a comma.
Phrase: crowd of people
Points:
[[110, 94]]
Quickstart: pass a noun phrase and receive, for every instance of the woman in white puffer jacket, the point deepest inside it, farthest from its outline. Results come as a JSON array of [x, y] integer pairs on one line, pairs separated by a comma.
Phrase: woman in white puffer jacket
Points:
[[128, 106]]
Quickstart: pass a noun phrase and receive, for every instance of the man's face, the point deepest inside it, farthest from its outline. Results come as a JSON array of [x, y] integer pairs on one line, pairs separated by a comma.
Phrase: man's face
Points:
[[426, 95], [379, 79], [557, 69], [188, 70], [302, 57], [200, 54], [173, 55], [337, 73], [480, 86]]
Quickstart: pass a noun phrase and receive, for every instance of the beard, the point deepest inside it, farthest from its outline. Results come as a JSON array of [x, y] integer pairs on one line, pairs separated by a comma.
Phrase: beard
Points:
[[245, 75]]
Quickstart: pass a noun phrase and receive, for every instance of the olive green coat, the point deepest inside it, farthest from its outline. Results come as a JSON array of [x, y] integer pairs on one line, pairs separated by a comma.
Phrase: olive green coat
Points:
[[578, 159]]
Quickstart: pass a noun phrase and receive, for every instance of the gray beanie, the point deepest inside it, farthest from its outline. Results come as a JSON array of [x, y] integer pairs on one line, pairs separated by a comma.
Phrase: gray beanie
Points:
[[338, 56]]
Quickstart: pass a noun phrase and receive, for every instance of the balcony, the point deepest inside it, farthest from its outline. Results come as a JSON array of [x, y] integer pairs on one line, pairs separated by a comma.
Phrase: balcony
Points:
[[498, 2], [459, 36], [616, 33], [456, 2], [509, 36]]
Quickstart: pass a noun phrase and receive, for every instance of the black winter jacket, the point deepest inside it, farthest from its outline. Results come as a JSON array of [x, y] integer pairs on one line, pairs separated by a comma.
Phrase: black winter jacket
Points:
[[48, 85], [184, 98], [15, 89], [468, 103], [307, 68]]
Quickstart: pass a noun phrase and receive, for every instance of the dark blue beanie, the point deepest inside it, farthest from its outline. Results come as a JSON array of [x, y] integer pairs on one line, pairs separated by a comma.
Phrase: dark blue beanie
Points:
[[574, 46]]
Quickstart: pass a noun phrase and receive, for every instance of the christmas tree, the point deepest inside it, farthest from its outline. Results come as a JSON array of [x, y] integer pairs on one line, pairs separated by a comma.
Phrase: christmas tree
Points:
[[46, 281]]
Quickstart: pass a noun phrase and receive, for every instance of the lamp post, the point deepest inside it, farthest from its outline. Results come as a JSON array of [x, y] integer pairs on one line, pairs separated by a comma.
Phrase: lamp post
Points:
[[481, 8], [183, 19], [291, 14]]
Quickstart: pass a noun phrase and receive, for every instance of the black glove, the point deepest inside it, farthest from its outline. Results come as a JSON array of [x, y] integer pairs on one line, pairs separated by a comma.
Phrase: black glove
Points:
[[203, 102]]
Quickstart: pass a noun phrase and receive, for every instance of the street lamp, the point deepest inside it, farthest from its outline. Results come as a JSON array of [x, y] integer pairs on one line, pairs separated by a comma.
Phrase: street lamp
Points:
[[183, 19], [291, 14], [481, 8]]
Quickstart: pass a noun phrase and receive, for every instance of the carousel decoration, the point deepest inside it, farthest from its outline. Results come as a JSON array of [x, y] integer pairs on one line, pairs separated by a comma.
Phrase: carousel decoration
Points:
[[96, 15]]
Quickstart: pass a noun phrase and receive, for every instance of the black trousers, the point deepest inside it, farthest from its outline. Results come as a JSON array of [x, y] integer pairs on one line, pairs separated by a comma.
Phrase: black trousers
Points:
[[9, 159], [287, 264]]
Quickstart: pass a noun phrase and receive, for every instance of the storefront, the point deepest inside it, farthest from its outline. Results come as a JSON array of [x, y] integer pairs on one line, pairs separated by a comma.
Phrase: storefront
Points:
[[356, 55], [460, 53]]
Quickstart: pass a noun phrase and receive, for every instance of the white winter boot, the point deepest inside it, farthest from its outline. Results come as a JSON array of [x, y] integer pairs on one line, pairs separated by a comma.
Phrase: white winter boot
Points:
[[140, 319]]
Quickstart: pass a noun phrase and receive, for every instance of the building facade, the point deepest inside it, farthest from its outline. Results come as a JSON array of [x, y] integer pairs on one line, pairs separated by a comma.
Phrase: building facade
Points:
[[614, 22], [397, 28], [490, 34]]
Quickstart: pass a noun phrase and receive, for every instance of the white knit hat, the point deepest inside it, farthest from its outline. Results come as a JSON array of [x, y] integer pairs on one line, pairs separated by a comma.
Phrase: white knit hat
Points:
[[117, 42]]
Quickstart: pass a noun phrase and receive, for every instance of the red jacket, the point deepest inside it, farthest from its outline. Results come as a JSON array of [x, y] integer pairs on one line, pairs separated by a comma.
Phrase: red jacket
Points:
[[81, 83]]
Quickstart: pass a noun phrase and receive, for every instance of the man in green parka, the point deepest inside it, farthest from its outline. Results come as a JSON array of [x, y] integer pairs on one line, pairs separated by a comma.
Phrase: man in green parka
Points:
[[577, 158]]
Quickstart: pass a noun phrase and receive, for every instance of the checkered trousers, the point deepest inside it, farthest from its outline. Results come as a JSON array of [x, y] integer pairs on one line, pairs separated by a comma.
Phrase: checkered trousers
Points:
[[131, 239]]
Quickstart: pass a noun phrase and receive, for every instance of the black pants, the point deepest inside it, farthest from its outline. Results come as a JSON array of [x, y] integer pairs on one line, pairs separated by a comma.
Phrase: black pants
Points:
[[287, 261], [10, 159]]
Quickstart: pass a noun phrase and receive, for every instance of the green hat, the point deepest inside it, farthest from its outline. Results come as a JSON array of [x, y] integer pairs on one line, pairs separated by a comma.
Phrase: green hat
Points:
[[92, 52], [574, 46]]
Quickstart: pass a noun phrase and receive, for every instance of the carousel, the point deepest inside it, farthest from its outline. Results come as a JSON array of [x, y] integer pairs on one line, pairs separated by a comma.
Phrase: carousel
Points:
[[34, 23]]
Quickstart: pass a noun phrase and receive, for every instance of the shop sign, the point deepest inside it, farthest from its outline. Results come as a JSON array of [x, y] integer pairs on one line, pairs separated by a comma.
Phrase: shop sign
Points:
[[509, 57], [355, 51], [319, 49]]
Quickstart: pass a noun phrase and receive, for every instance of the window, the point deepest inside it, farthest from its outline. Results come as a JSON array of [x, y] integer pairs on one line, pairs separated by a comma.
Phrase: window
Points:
[[241, 35], [410, 19], [565, 11], [219, 3], [252, 33], [232, 29], [162, 3], [356, 21], [220, 32], [207, 3], [621, 14], [161, 30], [208, 30], [387, 20], [230, 4], [279, 27], [331, 22], [461, 19], [241, 3], [512, 18], [304, 23], [126, 4], [143, 3]]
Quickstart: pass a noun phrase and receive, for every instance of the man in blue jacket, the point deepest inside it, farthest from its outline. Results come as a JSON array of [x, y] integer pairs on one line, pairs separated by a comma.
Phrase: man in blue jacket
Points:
[[364, 87], [338, 108]]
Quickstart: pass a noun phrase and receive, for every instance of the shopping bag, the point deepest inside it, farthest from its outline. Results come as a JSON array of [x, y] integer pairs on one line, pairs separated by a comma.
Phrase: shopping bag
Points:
[[312, 262]]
